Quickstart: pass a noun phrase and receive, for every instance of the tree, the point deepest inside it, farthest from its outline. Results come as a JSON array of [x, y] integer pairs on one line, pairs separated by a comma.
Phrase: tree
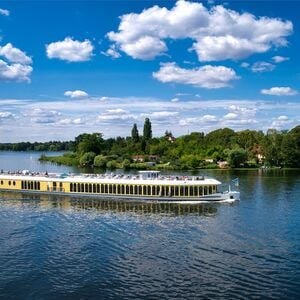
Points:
[[135, 134], [100, 161], [89, 143], [237, 157], [290, 147], [87, 159], [147, 130]]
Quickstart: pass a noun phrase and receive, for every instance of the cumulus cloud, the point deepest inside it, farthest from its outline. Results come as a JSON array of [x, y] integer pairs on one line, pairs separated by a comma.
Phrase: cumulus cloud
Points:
[[4, 12], [14, 72], [210, 77], [76, 94], [160, 115], [217, 33], [231, 116], [14, 55], [70, 50], [6, 115], [262, 66], [279, 91], [112, 52], [43, 116], [198, 120], [116, 114], [15, 64], [281, 122], [278, 59]]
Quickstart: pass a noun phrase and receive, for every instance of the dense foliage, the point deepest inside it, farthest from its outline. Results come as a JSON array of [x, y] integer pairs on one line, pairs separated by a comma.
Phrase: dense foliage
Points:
[[219, 148]]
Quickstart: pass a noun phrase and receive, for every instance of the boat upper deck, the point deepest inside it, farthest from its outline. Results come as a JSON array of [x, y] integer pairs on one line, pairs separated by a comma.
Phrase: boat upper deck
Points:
[[111, 178]]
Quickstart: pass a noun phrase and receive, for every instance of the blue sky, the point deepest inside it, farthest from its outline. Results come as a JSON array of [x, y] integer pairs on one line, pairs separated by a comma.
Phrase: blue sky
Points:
[[68, 67]]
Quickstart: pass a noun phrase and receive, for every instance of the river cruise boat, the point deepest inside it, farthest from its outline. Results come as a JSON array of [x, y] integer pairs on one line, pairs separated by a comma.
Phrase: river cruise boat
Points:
[[146, 185]]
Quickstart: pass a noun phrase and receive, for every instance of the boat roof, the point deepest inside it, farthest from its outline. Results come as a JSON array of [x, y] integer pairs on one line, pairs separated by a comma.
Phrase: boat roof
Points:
[[111, 178]]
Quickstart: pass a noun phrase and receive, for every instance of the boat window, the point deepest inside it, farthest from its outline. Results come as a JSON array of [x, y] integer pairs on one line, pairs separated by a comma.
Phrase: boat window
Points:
[[201, 191], [191, 191], [144, 190], [163, 190], [127, 190], [158, 192], [153, 190], [114, 189], [210, 189], [186, 191], [205, 190], [82, 188], [122, 189], [181, 191]]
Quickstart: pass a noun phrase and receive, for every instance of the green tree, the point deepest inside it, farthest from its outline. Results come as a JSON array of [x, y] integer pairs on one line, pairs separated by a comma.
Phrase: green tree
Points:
[[237, 157], [126, 163], [89, 143], [147, 130], [291, 148], [87, 159], [100, 161], [135, 134]]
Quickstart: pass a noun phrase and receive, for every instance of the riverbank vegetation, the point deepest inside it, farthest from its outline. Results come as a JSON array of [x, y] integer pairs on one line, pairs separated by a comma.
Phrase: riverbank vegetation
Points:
[[221, 148]]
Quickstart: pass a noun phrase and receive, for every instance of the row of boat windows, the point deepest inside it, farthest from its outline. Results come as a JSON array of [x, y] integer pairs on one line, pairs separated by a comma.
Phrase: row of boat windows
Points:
[[30, 185], [143, 190], [9, 182]]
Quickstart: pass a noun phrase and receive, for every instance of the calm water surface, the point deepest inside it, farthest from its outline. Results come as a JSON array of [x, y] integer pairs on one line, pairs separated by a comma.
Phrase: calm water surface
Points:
[[72, 248]]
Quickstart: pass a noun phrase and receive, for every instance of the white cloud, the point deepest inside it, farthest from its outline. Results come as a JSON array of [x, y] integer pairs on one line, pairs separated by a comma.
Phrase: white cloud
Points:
[[43, 116], [14, 72], [14, 55], [6, 115], [116, 115], [262, 66], [278, 59], [210, 77], [68, 121], [112, 52], [117, 111], [218, 33], [198, 120], [160, 115], [245, 65], [4, 12], [279, 91], [70, 50], [15, 64], [231, 116], [76, 94], [281, 122], [66, 117]]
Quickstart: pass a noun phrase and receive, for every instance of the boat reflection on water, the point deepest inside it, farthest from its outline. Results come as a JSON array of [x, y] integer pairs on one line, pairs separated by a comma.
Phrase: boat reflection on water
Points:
[[107, 205]]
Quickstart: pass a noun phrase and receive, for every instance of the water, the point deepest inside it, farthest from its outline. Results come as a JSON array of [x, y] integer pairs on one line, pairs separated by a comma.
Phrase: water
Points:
[[72, 248]]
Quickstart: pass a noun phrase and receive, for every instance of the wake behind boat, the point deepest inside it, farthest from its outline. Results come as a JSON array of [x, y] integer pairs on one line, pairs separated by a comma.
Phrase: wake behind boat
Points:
[[146, 185]]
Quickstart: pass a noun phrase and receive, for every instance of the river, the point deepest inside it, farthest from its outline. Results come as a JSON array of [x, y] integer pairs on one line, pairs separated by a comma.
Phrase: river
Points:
[[72, 248]]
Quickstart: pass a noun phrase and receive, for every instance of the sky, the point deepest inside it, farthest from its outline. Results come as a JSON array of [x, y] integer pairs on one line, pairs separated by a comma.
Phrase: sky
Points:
[[70, 67]]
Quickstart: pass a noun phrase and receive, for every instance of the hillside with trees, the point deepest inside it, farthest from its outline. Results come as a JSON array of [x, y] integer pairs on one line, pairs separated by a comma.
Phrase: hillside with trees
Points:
[[221, 148]]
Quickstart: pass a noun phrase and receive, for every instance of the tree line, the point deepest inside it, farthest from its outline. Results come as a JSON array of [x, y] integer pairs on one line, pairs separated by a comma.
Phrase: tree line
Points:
[[219, 148]]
